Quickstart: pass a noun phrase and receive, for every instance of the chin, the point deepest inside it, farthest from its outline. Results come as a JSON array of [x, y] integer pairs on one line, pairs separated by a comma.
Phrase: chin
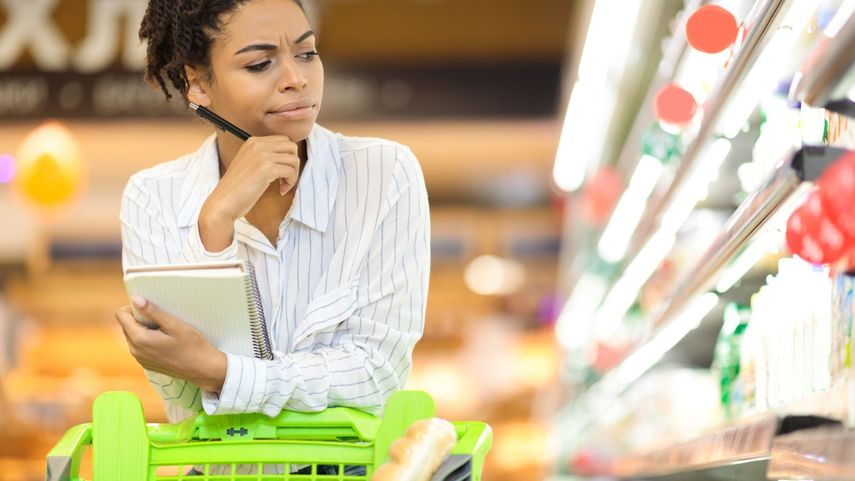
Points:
[[295, 132]]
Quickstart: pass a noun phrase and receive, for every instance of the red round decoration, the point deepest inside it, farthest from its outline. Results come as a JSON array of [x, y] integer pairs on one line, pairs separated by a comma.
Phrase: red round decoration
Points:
[[812, 236], [711, 29], [674, 105], [600, 195], [837, 189]]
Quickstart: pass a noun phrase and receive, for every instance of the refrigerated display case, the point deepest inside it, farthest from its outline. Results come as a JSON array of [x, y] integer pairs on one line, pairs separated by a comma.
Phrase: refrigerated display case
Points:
[[774, 114]]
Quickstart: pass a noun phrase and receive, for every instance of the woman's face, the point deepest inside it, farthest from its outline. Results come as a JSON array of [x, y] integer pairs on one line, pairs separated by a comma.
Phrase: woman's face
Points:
[[267, 78]]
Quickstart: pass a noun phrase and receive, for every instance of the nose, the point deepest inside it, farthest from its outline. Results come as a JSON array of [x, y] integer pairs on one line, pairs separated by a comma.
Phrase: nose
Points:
[[292, 77]]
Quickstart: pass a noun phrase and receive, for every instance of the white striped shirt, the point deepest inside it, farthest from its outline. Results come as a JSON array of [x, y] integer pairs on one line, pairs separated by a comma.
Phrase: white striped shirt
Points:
[[344, 290]]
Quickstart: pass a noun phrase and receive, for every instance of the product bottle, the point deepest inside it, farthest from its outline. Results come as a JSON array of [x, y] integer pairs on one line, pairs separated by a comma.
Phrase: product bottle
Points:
[[726, 363]]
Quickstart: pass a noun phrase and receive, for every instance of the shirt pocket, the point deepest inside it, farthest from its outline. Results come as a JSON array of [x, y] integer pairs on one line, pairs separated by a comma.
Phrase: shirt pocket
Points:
[[325, 312]]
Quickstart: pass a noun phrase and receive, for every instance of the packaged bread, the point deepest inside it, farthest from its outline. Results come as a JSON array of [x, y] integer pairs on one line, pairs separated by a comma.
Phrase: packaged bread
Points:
[[416, 456]]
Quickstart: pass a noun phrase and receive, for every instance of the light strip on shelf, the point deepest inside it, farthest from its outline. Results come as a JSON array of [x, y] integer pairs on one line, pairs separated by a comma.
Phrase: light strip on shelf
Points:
[[696, 187], [761, 245], [625, 291], [645, 357], [767, 241], [629, 209], [592, 99], [768, 68], [573, 326], [846, 10], [582, 133]]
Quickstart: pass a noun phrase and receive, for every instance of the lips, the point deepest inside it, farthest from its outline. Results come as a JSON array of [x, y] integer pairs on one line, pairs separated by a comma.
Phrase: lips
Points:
[[294, 107]]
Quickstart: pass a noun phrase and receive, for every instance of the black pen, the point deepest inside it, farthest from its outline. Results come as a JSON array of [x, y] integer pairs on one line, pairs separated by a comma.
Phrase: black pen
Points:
[[218, 121], [225, 126]]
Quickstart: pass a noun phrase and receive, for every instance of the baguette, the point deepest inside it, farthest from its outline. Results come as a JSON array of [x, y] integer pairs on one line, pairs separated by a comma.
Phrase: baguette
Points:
[[416, 456]]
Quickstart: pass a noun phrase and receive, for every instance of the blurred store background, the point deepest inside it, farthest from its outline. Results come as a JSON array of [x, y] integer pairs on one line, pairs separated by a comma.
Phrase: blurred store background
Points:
[[642, 219]]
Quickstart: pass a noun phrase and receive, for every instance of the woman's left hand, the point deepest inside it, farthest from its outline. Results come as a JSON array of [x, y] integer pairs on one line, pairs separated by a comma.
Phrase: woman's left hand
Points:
[[174, 348]]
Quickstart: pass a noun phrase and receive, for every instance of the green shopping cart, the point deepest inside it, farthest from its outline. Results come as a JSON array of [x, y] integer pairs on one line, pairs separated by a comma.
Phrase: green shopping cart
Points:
[[125, 448]]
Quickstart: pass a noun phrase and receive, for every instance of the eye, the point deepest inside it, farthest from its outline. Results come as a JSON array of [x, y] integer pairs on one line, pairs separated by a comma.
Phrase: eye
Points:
[[308, 55], [258, 67]]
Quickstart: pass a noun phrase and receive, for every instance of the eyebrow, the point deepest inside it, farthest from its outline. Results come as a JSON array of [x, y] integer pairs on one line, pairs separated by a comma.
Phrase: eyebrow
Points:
[[270, 46]]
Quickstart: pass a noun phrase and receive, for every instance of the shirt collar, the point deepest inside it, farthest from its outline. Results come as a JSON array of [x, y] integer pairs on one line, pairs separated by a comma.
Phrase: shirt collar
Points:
[[318, 184], [316, 191]]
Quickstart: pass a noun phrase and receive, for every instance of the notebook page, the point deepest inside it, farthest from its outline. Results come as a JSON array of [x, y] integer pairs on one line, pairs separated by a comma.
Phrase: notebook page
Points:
[[216, 305]]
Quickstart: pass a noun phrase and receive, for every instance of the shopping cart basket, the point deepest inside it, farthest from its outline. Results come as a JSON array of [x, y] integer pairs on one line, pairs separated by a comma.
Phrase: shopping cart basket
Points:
[[125, 448]]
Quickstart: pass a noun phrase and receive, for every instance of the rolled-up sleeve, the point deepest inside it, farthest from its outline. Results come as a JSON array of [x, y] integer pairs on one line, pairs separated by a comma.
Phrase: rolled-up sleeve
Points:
[[369, 353], [149, 239]]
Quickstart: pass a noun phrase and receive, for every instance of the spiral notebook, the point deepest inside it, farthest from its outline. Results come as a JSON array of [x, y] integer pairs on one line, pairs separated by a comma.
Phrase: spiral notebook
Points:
[[221, 299]]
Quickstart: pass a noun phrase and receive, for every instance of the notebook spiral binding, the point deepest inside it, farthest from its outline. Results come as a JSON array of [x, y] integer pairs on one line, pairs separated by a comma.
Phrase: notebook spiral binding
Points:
[[260, 337]]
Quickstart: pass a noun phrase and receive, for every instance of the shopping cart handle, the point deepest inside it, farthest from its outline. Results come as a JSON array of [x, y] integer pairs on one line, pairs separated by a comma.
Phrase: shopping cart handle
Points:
[[63, 461], [338, 423], [330, 424], [473, 438]]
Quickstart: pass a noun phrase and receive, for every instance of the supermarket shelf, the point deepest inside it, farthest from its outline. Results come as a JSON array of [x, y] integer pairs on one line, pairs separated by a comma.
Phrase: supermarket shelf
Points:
[[828, 76], [805, 164], [761, 23], [738, 453], [766, 15], [826, 454]]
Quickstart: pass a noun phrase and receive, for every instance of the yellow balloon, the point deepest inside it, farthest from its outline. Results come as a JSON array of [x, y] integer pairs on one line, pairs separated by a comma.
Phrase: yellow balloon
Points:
[[50, 170]]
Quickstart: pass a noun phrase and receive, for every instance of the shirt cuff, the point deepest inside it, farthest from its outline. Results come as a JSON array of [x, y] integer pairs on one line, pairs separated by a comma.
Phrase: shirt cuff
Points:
[[204, 255], [243, 390]]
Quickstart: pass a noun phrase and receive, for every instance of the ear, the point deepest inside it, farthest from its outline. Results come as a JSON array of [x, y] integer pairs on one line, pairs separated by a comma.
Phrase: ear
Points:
[[197, 86]]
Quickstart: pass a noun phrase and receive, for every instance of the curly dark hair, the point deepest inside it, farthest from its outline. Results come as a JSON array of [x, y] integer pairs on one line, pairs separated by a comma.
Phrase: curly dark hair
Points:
[[179, 33]]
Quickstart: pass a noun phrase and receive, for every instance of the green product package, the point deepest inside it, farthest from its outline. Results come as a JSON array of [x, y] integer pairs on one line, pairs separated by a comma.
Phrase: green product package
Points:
[[726, 359]]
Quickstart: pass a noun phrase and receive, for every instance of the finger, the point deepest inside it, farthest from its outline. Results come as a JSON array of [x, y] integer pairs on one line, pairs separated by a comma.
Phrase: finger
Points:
[[283, 158], [155, 314], [286, 172], [272, 138], [148, 324], [130, 327], [284, 147], [278, 143], [287, 181]]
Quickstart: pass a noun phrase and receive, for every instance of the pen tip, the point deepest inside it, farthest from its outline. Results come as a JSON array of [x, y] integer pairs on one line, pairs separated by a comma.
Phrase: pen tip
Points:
[[193, 106]]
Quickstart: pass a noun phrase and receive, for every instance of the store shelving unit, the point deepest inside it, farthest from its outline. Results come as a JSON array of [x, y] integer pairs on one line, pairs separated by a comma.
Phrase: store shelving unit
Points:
[[774, 446], [767, 15], [829, 75], [821, 454], [739, 453], [803, 165]]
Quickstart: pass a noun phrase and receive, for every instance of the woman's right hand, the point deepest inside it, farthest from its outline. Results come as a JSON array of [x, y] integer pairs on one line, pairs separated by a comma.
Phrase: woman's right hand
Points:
[[259, 162]]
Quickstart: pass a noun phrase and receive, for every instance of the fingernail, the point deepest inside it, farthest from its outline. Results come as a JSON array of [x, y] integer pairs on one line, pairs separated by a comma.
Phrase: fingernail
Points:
[[139, 302]]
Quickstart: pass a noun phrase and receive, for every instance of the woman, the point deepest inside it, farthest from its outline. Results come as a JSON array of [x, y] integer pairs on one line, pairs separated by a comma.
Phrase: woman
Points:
[[336, 227]]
